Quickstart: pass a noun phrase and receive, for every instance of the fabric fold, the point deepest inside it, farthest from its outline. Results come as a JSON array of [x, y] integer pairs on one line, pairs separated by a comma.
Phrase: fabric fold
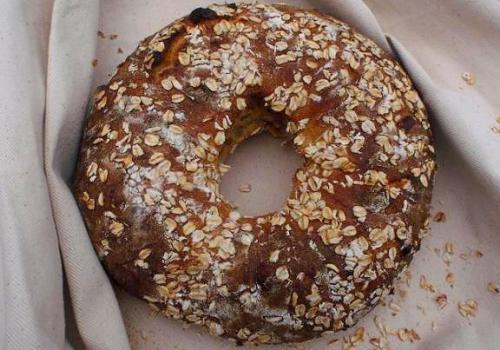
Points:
[[69, 77], [31, 304]]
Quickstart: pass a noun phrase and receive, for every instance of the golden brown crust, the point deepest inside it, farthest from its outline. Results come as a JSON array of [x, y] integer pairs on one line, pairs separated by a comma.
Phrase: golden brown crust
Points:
[[151, 159]]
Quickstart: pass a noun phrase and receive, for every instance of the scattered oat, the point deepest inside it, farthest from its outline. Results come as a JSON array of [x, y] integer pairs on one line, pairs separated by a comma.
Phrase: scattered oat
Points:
[[402, 292], [358, 336], [450, 278], [120, 50], [496, 129], [405, 334], [395, 308], [469, 78], [347, 345], [494, 287], [100, 34], [440, 217], [441, 300], [245, 188], [113, 36], [424, 284], [448, 247], [468, 309], [94, 62], [350, 342]]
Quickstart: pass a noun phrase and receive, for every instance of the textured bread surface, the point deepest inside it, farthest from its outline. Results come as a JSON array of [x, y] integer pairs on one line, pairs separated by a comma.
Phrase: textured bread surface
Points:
[[152, 157]]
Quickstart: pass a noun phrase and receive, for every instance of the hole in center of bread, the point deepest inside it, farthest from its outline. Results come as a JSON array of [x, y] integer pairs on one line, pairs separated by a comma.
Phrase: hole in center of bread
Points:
[[261, 175]]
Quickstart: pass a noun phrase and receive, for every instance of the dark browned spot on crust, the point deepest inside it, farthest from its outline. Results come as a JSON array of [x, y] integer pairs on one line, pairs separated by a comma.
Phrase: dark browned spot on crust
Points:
[[406, 250], [157, 58], [201, 13], [168, 57], [407, 122]]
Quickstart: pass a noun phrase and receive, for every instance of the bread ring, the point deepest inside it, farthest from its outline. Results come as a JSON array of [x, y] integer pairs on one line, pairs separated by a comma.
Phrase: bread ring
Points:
[[152, 157]]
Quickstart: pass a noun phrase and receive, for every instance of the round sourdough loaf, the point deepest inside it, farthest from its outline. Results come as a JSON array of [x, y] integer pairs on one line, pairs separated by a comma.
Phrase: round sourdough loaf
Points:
[[152, 158]]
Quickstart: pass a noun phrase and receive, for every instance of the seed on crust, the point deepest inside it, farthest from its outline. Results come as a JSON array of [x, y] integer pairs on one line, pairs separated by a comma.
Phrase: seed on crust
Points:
[[368, 126], [322, 84], [176, 129], [184, 58], [211, 84], [220, 138], [197, 236], [167, 84], [359, 212], [331, 236], [178, 98], [156, 157], [282, 273], [241, 104], [144, 254], [168, 116], [274, 256], [188, 228], [116, 228], [103, 174], [102, 103], [170, 224], [278, 106], [137, 150], [349, 231], [92, 169], [195, 82], [225, 104], [152, 139], [281, 46], [100, 199]]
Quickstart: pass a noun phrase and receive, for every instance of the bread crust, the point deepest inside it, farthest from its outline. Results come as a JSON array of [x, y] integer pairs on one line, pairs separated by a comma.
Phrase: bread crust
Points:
[[152, 157]]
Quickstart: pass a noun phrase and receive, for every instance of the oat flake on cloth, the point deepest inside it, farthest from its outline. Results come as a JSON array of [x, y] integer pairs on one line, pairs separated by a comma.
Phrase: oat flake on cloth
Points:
[[46, 78]]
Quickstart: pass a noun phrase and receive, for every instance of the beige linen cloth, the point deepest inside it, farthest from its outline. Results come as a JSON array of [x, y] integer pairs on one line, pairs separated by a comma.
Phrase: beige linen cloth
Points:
[[54, 293]]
